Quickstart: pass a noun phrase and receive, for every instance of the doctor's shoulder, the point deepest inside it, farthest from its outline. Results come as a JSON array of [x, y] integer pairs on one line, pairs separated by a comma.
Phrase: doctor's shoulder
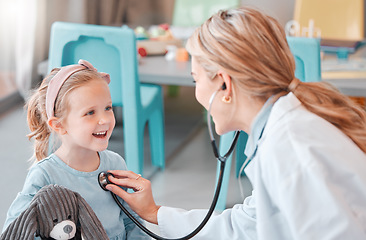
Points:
[[287, 141]]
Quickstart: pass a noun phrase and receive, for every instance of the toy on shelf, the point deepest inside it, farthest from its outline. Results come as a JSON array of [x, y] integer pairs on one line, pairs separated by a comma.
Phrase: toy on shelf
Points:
[[155, 40]]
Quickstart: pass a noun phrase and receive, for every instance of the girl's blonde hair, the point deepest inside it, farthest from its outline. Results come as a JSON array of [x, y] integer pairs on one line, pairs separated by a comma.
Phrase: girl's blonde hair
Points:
[[36, 108], [252, 48]]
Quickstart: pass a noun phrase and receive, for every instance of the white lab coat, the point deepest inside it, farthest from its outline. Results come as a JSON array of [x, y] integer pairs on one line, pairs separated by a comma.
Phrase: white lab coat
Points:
[[309, 182]]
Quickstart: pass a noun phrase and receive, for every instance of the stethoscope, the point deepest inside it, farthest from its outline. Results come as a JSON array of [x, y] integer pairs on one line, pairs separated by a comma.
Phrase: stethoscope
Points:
[[103, 179]]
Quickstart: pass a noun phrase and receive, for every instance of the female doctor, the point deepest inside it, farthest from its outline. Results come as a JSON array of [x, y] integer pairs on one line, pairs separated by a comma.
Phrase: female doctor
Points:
[[308, 141]]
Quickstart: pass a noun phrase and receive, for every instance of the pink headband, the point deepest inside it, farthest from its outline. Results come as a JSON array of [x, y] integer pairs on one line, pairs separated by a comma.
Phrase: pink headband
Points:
[[57, 81]]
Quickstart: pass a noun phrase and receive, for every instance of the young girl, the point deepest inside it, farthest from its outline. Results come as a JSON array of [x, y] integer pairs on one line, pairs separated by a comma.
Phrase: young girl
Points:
[[74, 102]]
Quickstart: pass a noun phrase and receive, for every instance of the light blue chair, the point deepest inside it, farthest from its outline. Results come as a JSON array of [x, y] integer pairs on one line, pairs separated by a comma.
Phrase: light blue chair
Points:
[[306, 52], [113, 50]]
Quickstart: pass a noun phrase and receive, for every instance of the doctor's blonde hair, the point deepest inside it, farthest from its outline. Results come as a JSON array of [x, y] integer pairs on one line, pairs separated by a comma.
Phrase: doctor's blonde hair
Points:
[[252, 48]]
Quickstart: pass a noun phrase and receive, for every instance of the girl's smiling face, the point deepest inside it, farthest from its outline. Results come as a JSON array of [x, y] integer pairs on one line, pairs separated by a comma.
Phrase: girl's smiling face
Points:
[[90, 119]]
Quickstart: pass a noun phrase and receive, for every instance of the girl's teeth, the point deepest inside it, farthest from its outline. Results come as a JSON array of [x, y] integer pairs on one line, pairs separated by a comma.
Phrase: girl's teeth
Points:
[[100, 134]]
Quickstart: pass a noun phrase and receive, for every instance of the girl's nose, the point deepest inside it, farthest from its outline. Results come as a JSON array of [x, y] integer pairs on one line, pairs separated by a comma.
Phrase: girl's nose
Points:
[[103, 120]]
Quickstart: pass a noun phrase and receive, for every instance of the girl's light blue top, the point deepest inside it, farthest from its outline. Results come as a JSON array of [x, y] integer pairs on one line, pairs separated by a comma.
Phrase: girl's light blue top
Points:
[[52, 170]]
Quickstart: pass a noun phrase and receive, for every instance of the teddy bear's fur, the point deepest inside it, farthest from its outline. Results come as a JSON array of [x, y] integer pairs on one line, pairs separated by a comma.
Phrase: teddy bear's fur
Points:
[[56, 213]]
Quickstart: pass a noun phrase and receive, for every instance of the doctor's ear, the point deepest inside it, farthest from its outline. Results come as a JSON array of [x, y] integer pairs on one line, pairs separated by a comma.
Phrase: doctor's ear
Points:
[[56, 125], [225, 80]]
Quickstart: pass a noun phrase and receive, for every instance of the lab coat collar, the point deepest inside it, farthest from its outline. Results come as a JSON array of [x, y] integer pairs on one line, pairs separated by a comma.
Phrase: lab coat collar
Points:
[[257, 128], [283, 105]]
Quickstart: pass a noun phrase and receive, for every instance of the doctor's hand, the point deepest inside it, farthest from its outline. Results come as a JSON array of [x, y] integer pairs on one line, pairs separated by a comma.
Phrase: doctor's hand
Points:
[[141, 200]]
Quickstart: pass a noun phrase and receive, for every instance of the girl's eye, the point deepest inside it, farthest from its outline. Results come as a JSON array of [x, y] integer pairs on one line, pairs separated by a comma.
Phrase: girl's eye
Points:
[[108, 108], [90, 112]]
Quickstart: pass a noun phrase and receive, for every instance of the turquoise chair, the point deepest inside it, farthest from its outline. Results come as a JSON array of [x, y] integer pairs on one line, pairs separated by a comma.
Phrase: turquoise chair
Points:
[[306, 52], [113, 50]]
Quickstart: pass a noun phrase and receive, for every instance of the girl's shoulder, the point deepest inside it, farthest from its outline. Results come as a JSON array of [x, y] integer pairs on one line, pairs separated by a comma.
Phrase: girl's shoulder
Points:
[[47, 166], [47, 162]]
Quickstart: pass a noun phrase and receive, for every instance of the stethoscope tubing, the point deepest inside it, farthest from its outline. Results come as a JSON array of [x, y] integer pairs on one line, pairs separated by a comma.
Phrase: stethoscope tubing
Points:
[[195, 231]]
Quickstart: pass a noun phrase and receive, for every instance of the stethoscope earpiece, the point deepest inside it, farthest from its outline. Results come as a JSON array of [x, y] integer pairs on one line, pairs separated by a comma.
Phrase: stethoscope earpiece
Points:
[[223, 87], [103, 179]]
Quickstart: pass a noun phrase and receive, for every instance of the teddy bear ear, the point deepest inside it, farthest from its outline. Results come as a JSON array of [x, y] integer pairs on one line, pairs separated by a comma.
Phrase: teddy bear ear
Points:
[[91, 227], [24, 226]]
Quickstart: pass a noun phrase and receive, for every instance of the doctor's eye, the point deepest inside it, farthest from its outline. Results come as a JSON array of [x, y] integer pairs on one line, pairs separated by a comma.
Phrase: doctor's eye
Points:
[[55, 220], [108, 108]]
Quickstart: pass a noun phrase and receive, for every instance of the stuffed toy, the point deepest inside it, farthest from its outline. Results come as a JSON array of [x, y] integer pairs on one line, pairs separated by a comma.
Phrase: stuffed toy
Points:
[[56, 213]]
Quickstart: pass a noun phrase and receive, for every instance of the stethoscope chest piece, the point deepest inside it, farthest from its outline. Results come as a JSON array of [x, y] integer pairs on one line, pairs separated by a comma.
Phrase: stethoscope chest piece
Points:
[[103, 180]]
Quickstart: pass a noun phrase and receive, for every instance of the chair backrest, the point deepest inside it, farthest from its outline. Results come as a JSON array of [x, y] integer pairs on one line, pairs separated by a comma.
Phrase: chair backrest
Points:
[[189, 13], [306, 52], [337, 19], [109, 49]]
